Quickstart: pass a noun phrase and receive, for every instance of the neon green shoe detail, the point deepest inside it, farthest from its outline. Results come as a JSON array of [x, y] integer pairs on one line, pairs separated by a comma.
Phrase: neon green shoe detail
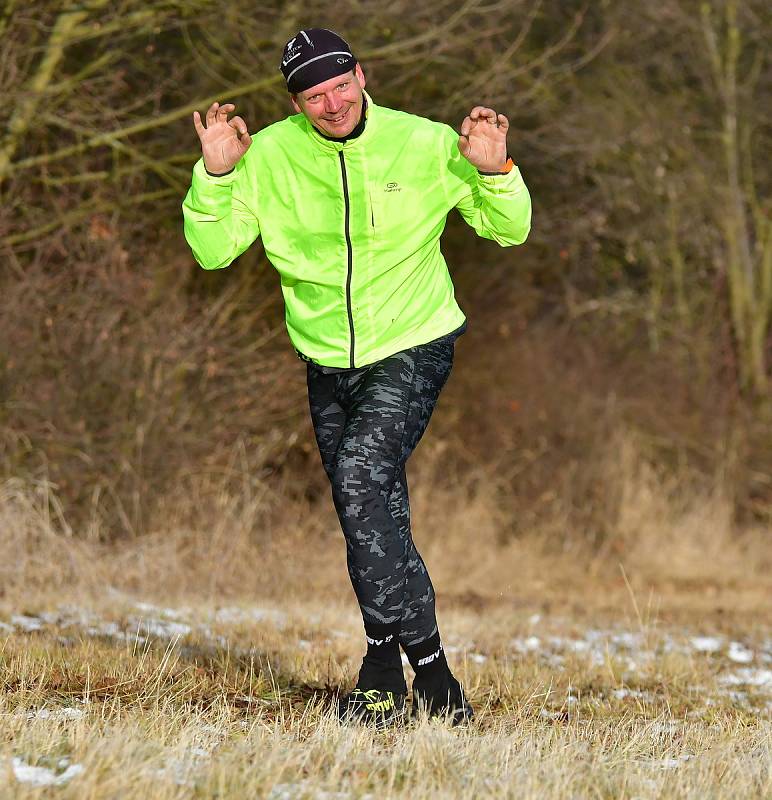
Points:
[[372, 706]]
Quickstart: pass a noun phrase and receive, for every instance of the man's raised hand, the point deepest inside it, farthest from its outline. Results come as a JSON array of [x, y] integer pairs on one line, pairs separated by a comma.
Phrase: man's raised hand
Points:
[[223, 141], [483, 139]]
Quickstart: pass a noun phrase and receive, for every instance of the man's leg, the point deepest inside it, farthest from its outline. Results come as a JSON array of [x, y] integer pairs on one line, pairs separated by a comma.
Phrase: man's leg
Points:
[[402, 401], [435, 688], [420, 636], [367, 425], [382, 664], [329, 418], [418, 617], [327, 415], [366, 467]]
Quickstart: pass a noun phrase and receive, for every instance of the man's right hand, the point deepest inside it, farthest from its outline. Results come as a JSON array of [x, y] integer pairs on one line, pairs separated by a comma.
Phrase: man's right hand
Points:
[[223, 142]]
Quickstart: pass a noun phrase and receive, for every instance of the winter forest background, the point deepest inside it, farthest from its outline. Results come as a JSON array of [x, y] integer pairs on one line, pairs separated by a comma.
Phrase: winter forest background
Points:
[[630, 336]]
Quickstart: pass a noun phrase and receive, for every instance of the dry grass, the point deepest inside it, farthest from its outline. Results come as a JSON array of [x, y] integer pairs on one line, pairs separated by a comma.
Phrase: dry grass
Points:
[[241, 706], [582, 664]]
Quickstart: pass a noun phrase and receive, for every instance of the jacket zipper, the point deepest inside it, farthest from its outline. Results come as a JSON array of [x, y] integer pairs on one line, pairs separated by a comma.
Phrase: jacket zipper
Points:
[[350, 253]]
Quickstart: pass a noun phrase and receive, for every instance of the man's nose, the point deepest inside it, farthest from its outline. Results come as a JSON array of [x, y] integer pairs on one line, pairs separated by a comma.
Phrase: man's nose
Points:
[[331, 105]]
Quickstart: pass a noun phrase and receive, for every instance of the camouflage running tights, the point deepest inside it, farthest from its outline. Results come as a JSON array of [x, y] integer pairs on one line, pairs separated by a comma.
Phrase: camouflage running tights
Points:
[[367, 422]]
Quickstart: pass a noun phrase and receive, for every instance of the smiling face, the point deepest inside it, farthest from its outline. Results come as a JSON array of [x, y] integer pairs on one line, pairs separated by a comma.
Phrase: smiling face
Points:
[[335, 105]]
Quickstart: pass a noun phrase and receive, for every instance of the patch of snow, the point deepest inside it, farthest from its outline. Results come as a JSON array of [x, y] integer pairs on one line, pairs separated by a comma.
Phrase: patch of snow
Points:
[[42, 776], [178, 771], [104, 629], [670, 763], [665, 726], [161, 628], [251, 614], [638, 694], [4, 626], [631, 641], [290, 791], [736, 696], [574, 645], [706, 644], [748, 676], [149, 608], [50, 617], [304, 644], [739, 653], [66, 713], [26, 623], [528, 645], [478, 658]]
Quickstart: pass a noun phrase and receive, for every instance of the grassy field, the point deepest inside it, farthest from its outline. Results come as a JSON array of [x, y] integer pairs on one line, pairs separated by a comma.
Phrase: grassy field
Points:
[[205, 661], [130, 699]]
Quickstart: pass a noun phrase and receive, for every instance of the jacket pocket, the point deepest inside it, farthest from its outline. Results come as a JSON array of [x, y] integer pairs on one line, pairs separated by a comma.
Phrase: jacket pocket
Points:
[[371, 209], [387, 211]]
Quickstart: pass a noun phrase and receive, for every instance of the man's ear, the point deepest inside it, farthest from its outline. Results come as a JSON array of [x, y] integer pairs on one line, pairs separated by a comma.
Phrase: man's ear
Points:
[[360, 75], [294, 101]]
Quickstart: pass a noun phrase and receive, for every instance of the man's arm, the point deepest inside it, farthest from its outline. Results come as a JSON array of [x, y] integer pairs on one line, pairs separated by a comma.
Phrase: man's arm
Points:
[[219, 209], [218, 224], [485, 186]]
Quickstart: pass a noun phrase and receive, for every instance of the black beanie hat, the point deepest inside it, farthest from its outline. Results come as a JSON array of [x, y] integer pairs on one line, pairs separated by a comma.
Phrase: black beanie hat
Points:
[[314, 55]]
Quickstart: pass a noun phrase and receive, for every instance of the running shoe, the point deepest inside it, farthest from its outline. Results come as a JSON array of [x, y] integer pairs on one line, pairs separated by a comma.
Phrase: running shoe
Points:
[[372, 706], [447, 700]]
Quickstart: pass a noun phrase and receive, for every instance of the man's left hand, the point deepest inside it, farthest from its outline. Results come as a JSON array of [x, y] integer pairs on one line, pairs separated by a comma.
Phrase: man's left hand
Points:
[[483, 139]]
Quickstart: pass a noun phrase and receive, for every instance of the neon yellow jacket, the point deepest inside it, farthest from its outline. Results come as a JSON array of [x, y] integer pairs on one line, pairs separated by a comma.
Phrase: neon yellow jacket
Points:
[[353, 228]]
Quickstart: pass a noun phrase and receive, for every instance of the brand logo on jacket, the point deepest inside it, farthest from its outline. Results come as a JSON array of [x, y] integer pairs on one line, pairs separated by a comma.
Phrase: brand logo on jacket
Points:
[[393, 186]]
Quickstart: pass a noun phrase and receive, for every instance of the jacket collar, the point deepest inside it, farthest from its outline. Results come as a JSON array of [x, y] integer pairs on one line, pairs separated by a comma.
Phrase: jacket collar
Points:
[[333, 146]]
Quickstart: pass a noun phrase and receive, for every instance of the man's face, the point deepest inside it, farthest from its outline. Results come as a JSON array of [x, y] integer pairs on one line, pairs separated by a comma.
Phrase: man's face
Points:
[[335, 105]]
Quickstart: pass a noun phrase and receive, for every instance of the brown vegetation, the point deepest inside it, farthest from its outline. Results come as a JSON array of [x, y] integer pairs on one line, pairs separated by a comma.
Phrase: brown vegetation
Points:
[[604, 442], [640, 303]]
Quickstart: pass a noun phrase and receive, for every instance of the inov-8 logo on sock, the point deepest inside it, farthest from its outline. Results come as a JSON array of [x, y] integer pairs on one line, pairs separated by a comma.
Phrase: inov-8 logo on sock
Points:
[[430, 658], [379, 641]]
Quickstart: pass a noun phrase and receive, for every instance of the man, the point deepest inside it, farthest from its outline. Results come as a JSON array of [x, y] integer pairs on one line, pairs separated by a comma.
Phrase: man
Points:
[[350, 199]]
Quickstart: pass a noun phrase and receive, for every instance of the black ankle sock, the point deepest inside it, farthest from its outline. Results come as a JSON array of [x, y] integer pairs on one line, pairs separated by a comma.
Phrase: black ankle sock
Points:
[[382, 664], [427, 659]]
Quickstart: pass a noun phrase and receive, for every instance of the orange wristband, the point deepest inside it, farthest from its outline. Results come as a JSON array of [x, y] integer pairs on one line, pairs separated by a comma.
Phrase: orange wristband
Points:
[[508, 167]]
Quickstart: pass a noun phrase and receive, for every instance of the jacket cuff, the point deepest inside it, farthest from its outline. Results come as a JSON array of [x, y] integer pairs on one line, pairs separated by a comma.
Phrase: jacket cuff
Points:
[[501, 183], [201, 173], [219, 174]]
